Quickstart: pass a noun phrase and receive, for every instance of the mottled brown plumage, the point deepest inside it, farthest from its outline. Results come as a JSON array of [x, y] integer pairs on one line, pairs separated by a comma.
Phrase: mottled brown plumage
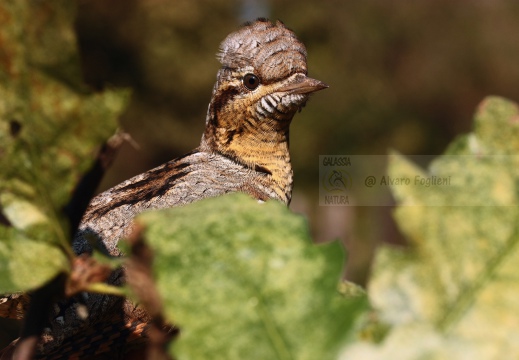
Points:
[[245, 143], [261, 85]]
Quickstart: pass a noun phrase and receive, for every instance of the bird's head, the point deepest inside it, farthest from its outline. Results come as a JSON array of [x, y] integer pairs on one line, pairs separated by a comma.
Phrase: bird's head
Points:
[[263, 82]]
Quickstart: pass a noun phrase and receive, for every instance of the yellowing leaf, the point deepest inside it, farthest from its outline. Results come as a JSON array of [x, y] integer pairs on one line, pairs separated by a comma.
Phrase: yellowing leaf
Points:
[[454, 294]]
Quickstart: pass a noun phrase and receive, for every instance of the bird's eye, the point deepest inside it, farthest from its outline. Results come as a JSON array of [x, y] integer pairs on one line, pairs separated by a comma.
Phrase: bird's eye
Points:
[[251, 81]]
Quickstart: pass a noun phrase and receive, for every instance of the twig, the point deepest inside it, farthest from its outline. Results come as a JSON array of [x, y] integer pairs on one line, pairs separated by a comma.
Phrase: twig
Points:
[[139, 276], [36, 318], [85, 190]]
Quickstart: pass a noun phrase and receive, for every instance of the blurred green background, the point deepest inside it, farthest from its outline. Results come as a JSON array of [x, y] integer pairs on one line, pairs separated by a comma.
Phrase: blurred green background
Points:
[[406, 75]]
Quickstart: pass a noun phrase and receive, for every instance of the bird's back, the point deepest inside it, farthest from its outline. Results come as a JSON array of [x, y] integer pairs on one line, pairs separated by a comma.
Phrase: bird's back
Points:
[[195, 176]]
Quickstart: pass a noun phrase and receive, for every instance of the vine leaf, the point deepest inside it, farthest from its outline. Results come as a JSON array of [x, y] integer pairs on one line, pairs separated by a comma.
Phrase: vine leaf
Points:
[[50, 129], [453, 293], [243, 280]]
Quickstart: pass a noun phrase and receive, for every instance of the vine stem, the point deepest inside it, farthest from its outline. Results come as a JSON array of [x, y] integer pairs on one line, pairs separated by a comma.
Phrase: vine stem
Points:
[[36, 317]]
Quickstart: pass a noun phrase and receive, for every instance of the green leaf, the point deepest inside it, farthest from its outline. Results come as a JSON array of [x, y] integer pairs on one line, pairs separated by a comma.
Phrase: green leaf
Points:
[[454, 293], [26, 263], [50, 130], [243, 281]]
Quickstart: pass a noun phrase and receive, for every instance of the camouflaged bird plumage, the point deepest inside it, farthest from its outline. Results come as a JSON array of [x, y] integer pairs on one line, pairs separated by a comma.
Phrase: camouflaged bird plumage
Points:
[[245, 143], [262, 83]]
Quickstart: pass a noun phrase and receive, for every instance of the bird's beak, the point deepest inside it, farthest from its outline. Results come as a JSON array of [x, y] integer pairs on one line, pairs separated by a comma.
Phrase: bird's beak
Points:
[[302, 84]]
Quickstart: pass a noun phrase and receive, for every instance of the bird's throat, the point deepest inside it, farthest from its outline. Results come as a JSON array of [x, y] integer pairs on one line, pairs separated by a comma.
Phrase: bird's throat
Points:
[[260, 148], [270, 157]]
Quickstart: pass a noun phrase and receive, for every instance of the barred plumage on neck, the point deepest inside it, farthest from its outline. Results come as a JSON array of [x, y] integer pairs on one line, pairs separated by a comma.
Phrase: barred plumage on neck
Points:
[[263, 82]]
